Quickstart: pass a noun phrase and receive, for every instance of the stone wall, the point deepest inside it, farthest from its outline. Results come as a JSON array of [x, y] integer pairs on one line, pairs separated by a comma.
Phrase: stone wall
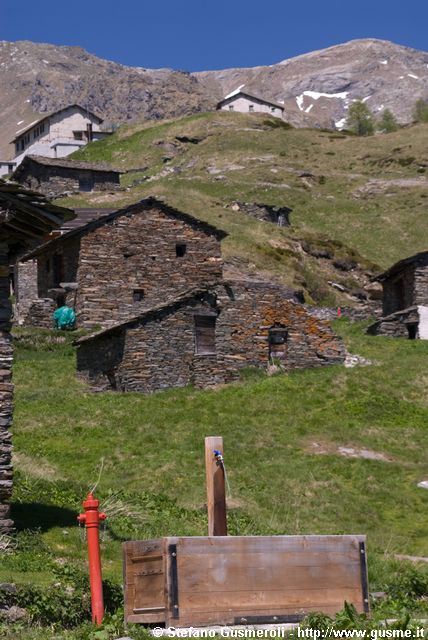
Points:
[[421, 283], [399, 290], [157, 351], [6, 393], [25, 288], [401, 324], [407, 286], [128, 265], [135, 256], [54, 181], [268, 213]]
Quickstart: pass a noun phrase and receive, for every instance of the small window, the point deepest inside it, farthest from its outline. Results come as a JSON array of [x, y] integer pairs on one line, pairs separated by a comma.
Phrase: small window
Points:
[[231, 107], [205, 334], [86, 184], [180, 249], [251, 107], [10, 168], [138, 295], [78, 135], [273, 109], [278, 335]]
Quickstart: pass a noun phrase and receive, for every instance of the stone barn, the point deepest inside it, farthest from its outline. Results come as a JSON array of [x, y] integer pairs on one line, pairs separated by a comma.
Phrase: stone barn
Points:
[[25, 217], [119, 265], [204, 337], [405, 299], [56, 176]]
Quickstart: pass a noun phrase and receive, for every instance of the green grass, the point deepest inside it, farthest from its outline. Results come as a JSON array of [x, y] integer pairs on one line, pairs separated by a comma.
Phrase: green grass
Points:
[[323, 177], [152, 448], [152, 483]]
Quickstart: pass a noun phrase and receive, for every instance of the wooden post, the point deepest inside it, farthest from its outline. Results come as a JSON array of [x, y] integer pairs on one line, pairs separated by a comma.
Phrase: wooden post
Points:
[[216, 495]]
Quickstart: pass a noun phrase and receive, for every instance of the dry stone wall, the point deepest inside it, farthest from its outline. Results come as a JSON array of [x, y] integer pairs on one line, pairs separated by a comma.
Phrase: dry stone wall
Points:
[[131, 264], [157, 351], [6, 394], [125, 266], [401, 324], [54, 181], [407, 286]]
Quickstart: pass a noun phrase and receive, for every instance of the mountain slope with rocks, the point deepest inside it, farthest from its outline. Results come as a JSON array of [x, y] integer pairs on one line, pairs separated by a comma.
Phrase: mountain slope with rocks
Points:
[[38, 78], [316, 88]]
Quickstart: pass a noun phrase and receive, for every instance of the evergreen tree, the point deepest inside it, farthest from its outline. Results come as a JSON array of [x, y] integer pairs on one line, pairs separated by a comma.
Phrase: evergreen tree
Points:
[[420, 113], [360, 119], [387, 122]]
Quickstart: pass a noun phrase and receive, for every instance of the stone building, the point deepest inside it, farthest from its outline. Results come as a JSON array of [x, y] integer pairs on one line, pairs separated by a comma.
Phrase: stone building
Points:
[[244, 102], [24, 217], [119, 265], [405, 299], [55, 177], [204, 337]]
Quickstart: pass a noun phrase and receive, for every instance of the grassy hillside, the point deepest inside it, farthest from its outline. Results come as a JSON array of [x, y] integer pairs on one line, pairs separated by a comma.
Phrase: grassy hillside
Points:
[[369, 194], [282, 437]]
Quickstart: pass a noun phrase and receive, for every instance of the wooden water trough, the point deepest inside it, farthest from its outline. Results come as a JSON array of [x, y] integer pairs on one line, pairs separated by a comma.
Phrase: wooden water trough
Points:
[[224, 580]]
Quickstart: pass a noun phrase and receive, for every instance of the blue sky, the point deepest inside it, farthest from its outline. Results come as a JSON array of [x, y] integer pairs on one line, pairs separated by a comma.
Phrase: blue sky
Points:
[[214, 34]]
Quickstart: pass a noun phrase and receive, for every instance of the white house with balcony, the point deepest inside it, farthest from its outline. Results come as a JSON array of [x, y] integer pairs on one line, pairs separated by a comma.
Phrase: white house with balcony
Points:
[[55, 135], [244, 102]]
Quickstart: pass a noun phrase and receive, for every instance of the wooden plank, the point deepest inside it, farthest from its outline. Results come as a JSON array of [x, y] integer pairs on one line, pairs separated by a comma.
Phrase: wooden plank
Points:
[[259, 600], [231, 577], [228, 617], [216, 495], [269, 544], [144, 581]]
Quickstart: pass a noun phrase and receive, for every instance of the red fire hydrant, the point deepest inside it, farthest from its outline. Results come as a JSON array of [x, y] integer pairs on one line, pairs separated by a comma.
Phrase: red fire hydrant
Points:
[[92, 518]]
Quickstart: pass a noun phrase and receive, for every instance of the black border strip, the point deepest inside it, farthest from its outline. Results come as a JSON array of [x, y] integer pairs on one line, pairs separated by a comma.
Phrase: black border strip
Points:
[[172, 550], [272, 619], [364, 579]]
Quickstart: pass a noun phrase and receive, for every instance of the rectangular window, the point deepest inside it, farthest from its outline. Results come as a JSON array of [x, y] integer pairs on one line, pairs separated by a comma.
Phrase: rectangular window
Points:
[[231, 107], [278, 335], [180, 249], [78, 135], [205, 334], [251, 107], [138, 295]]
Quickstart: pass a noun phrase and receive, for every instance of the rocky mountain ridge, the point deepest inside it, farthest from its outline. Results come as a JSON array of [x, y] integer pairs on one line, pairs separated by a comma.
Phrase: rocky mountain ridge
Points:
[[316, 88]]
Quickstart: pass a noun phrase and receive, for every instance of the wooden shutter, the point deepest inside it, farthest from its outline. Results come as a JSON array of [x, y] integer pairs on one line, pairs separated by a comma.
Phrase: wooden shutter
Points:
[[205, 334]]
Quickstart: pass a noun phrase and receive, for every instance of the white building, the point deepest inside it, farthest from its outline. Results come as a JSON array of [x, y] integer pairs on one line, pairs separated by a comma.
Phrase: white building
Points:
[[246, 103], [55, 135]]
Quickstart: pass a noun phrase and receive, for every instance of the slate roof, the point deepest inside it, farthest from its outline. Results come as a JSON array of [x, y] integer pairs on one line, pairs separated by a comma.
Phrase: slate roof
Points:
[[232, 97], [176, 301], [139, 207], [47, 115], [398, 266], [62, 163], [27, 216]]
